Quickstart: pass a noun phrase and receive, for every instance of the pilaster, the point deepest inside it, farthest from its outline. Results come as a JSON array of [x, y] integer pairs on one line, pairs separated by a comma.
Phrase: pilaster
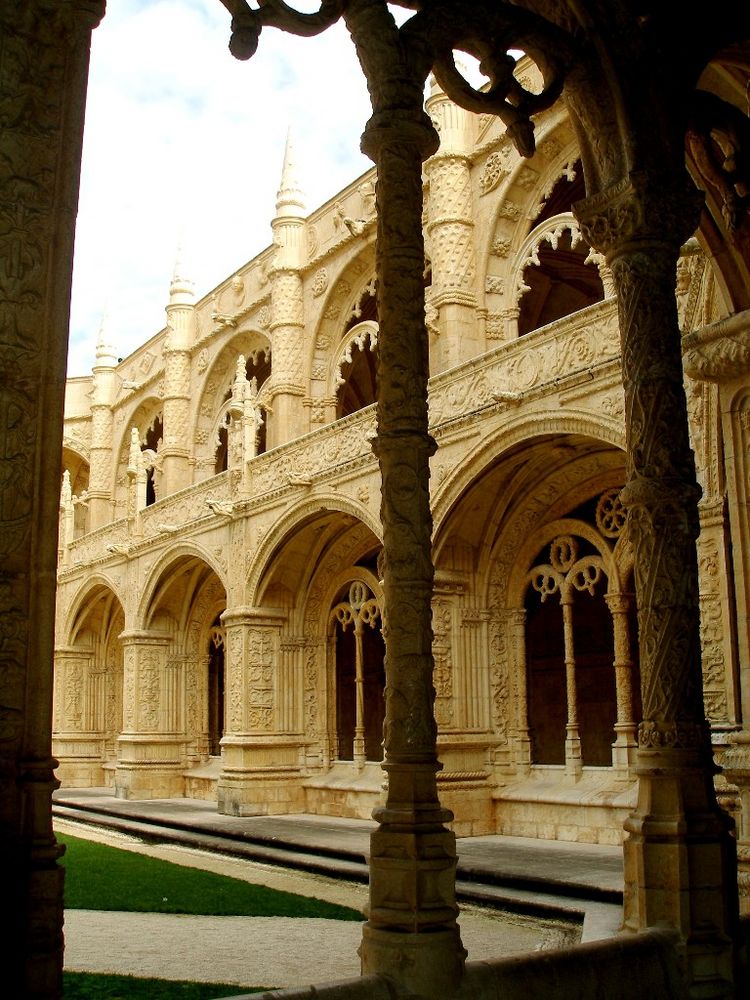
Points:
[[151, 748], [78, 718], [262, 746]]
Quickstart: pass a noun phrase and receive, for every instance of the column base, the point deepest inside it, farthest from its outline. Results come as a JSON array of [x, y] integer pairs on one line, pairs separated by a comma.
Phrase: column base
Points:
[[149, 767], [80, 758], [680, 866], [426, 965], [260, 776]]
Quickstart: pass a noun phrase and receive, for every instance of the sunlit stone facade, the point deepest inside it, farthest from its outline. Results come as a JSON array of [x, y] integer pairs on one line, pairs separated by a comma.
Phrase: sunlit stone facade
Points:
[[220, 602]]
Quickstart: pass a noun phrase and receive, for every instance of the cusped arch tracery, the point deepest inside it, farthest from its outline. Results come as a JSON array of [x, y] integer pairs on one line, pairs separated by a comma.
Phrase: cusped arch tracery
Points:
[[349, 301], [215, 396], [525, 193], [147, 419], [353, 369], [554, 274]]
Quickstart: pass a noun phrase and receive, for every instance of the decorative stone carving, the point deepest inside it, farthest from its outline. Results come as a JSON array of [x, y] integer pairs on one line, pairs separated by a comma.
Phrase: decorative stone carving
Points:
[[497, 168], [320, 282]]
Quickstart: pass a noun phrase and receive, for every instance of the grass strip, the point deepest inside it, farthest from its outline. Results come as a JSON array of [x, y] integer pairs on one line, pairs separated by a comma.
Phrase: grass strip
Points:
[[93, 986], [98, 877]]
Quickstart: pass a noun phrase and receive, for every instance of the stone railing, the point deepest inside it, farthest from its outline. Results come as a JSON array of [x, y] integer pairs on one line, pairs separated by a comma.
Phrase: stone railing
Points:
[[97, 545], [186, 506], [529, 365], [327, 451], [515, 371]]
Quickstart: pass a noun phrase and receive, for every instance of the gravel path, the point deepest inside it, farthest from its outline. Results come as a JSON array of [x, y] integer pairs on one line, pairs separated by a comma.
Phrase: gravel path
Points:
[[255, 951]]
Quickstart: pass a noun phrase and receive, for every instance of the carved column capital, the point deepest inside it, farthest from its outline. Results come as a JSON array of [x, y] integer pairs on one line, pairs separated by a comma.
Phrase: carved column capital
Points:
[[641, 209], [397, 128]]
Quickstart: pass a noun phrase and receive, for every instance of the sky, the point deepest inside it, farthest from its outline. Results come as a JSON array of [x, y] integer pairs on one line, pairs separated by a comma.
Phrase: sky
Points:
[[183, 147]]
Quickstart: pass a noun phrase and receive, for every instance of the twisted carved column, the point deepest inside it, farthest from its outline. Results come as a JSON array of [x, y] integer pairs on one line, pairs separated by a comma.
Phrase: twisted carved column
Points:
[[412, 862], [411, 934], [678, 852]]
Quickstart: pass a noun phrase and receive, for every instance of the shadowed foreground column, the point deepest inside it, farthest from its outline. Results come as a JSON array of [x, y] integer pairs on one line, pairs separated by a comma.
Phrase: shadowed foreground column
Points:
[[679, 855], [44, 52]]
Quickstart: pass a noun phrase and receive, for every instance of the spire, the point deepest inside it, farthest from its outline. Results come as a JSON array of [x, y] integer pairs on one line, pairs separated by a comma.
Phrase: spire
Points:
[[105, 352], [181, 288], [289, 200]]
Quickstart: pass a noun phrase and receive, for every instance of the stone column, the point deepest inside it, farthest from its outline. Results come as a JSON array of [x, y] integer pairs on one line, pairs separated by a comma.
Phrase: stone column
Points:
[[260, 754], [44, 53], [151, 747], [175, 448], [573, 758], [104, 386], [450, 227], [679, 855], [411, 934], [287, 324], [623, 750], [513, 622]]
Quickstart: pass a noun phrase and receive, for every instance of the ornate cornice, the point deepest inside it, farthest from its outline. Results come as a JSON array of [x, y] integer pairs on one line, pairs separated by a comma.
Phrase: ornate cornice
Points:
[[718, 351]]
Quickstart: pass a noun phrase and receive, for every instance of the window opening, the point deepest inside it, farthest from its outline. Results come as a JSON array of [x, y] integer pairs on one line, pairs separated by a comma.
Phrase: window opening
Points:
[[360, 676], [216, 710]]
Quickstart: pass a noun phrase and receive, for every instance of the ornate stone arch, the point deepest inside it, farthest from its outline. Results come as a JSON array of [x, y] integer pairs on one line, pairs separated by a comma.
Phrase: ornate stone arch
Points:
[[337, 310], [548, 234], [338, 568], [170, 558], [294, 518], [88, 683], [520, 189], [212, 404], [75, 484], [94, 583], [77, 447], [362, 337], [142, 417], [521, 427]]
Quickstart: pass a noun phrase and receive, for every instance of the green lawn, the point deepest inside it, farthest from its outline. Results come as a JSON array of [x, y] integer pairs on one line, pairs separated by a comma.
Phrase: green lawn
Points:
[[98, 877], [85, 986]]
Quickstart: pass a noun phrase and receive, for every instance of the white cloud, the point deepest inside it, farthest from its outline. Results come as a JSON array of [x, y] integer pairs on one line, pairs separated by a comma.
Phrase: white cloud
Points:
[[182, 139]]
